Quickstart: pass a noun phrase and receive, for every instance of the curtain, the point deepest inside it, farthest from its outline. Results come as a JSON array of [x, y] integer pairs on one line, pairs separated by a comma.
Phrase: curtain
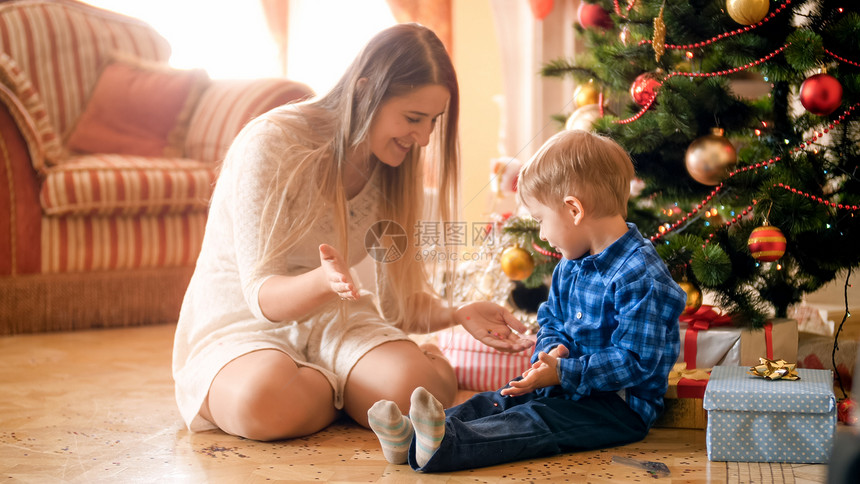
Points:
[[433, 14], [277, 13]]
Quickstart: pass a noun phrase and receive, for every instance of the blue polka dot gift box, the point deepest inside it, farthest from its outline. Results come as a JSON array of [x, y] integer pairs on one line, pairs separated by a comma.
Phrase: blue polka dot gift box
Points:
[[754, 419]]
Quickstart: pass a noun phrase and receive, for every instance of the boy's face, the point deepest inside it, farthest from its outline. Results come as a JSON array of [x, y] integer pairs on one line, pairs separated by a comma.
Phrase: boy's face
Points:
[[559, 226]]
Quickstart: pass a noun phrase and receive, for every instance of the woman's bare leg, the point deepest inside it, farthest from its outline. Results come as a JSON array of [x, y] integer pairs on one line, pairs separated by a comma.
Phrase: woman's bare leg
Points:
[[391, 371], [264, 395]]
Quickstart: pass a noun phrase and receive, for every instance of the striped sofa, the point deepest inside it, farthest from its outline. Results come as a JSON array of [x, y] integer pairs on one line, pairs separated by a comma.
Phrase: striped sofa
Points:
[[93, 240]]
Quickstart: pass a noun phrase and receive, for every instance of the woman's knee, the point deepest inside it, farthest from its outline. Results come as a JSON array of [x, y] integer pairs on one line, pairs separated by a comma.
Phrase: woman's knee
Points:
[[272, 402], [392, 371], [446, 380]]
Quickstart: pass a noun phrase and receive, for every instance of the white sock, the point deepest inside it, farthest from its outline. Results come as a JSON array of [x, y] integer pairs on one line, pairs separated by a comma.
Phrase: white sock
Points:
[[393, 430], [428, 419]]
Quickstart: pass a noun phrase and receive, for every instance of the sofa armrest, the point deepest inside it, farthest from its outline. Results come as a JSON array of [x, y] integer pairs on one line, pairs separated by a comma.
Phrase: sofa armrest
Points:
[[27, 108], [227, 105], [20, 211]]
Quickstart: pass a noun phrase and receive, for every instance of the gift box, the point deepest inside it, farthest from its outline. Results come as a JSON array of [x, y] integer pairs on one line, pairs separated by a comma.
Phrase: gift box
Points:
[[682, 404], [479, 367], [709, 339], [754, 419]]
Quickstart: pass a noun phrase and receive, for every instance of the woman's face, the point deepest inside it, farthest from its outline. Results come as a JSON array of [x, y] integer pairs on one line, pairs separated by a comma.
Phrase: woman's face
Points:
[[404, 121]]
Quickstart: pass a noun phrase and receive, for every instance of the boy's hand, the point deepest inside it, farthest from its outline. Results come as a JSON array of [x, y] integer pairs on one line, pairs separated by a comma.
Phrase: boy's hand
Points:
[[492, 325], [559, 351], [337, 273], [543, 373]]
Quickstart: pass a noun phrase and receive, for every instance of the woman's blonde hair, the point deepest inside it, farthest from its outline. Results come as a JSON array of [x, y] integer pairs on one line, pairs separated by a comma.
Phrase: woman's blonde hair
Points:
[[588, 166], [394, 63]]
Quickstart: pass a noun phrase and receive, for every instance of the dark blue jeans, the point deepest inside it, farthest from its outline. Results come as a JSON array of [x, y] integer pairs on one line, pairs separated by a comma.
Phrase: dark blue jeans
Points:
[[490, 429]]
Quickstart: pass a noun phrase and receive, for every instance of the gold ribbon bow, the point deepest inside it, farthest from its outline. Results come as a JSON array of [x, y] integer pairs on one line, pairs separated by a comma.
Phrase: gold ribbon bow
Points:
[[775, 370], [680, 371]]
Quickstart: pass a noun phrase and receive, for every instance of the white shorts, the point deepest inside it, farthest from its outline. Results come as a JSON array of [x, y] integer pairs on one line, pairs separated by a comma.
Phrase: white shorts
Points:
[[323, 341]]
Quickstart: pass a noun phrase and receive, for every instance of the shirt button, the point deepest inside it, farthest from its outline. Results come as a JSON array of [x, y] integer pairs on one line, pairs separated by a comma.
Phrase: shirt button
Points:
[[579, 315]]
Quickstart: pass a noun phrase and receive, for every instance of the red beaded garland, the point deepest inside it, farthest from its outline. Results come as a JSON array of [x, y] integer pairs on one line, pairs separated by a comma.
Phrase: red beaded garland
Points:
[[655, 87], [629, 7], [771, 161], [724, 35], [545, 252], [855, 64], [815, 198]]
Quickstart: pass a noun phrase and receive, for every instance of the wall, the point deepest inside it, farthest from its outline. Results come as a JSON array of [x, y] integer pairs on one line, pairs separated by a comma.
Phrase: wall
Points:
[[477, 60]]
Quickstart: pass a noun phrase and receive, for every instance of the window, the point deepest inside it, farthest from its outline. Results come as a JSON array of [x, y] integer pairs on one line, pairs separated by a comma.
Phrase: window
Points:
[[326, 35], [230, 38], [227, 38]]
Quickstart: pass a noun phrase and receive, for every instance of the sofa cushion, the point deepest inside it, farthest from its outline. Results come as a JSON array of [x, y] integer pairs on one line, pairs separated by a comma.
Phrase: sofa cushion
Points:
[[62, 46], [227, 105], [138, 108], [110, 184]]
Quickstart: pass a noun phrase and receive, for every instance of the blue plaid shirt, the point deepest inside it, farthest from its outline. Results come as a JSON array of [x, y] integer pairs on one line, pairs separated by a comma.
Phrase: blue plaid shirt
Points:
[[617, 312]]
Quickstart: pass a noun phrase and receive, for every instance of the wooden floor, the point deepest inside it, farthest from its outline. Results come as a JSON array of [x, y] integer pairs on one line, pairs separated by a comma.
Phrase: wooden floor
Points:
[[98, 406]]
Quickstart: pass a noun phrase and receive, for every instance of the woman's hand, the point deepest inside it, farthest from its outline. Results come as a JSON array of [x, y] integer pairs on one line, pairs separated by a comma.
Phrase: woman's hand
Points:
[[337, 273], [544, 373], [493, 325]]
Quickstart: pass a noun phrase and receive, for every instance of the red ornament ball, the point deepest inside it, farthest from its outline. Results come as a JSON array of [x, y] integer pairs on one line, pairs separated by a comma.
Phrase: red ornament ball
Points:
[[766, 243], [644, 88], [821, 94], [592, 16], [846, 411], [541, 8]]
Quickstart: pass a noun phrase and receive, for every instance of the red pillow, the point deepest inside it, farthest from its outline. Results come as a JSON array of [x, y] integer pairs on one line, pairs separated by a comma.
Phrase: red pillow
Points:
[[140, 109]]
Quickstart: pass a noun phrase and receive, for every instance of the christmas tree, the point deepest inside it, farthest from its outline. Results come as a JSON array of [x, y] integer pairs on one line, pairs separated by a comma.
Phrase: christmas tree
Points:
[[741, 118]]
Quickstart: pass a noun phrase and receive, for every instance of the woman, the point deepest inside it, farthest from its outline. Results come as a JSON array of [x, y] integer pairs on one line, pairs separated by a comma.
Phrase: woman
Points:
[[274, 338]]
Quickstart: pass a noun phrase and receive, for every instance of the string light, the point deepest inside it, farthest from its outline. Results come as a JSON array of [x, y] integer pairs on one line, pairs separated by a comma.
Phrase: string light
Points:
[[664, 230]]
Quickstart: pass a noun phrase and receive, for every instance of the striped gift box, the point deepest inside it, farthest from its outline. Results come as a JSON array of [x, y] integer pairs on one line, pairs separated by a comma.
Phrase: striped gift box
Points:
[[479, 367]]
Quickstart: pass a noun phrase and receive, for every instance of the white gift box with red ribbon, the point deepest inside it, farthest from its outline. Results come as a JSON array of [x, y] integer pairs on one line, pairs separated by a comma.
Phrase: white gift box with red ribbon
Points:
[[709, 339], [479, 367]]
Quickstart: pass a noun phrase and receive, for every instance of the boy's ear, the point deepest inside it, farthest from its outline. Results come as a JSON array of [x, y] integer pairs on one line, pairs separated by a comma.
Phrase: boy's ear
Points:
[[360, 83], [574, 207]]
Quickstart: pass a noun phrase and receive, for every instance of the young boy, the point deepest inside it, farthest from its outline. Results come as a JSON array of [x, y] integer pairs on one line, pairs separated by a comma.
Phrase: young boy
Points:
[[608, 332]]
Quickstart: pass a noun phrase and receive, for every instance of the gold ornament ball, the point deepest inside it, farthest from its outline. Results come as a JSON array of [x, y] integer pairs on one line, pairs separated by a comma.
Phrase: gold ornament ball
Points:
[[747, 12], [517, 263], [710, 158], [586, 94], [583, 118], [694, 297]]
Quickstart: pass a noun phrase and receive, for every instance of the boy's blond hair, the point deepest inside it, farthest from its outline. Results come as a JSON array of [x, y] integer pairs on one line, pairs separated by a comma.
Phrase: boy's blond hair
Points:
[[588, 166]]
